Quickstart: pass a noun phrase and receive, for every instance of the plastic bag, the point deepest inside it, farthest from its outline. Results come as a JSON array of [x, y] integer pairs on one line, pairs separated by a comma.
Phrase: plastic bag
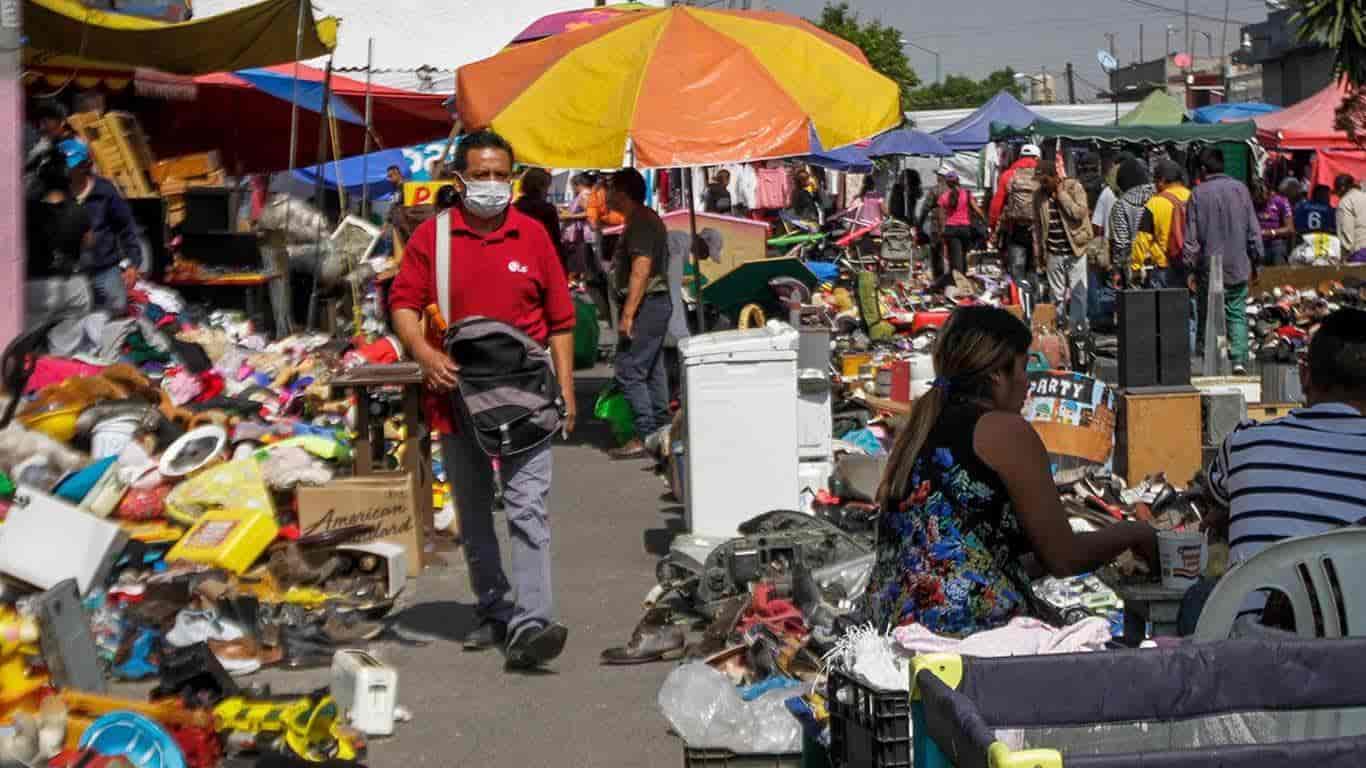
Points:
[[705, 708], [613, 408]]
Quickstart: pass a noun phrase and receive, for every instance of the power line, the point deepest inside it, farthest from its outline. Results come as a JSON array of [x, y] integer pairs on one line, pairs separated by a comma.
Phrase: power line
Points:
[[1179, 12]]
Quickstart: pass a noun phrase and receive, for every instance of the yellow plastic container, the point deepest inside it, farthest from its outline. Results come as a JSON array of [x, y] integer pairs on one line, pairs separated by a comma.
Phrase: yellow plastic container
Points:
[[853, 363], [227, 538], [58, 424]]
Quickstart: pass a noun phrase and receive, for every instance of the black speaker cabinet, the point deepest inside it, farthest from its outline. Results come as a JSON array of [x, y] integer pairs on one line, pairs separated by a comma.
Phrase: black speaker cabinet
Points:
[[1138, 339], [1173, 337]]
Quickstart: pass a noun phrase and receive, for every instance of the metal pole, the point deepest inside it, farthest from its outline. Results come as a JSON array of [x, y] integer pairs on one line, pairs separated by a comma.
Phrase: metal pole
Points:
[[284, 310], [1140, 43], [318, 190], [1223, 52], [696, 257], [938, 71], [1188, 47], [365, 158], [12, 163]]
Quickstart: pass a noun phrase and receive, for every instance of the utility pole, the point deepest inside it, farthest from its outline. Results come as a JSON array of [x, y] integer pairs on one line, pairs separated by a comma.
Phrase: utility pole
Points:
[[1110, 38], [1189, 37], [1140, 43], [11, 172], [1071, 86]]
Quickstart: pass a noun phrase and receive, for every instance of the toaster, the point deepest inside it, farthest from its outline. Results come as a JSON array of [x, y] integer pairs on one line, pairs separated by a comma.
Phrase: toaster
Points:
[[366, 689]]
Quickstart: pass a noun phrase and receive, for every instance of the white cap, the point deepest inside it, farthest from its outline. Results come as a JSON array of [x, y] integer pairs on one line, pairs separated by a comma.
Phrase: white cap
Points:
[[1030, 150]]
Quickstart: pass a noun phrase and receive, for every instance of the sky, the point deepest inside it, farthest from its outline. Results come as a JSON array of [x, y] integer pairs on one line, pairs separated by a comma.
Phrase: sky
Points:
[[975, 37]]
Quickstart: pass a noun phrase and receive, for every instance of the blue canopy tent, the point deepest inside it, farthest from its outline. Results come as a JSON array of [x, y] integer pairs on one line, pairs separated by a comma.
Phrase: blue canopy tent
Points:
[[974, 131], [1222, 113], [904, 141], [851, 159]]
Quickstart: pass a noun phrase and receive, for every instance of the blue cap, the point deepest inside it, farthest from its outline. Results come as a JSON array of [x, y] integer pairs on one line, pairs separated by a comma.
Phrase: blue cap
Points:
[[76, 152]]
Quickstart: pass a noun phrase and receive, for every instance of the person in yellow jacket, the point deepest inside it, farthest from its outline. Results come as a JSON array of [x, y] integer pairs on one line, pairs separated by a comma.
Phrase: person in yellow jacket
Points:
[[1154, 231]]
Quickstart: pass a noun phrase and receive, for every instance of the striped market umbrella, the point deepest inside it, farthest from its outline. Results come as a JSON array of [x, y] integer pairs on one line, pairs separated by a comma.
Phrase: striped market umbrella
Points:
[[564, 21], [681, 86]]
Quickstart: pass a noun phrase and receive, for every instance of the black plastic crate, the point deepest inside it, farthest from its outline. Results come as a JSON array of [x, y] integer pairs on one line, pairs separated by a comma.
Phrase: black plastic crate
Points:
[[869, 728], [724, 758]]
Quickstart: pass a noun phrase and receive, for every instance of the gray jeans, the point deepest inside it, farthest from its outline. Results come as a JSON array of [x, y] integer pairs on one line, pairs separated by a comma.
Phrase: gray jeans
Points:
[[1067, 283], [110, 293], [528, 599], [64, 299]]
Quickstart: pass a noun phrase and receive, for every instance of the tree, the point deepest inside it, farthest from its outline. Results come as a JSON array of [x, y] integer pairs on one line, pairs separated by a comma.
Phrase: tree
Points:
[[1341, 26], [959, 92], [880, 43]]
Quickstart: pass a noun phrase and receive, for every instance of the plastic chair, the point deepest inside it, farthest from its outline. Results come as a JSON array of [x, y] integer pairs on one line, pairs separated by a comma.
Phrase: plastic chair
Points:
[[1324, 578]]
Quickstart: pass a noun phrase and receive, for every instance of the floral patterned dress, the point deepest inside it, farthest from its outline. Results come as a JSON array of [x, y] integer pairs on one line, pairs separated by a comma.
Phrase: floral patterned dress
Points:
[[948, 556]]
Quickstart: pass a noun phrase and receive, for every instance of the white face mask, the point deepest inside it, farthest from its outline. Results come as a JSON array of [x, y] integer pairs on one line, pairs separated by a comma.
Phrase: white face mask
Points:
[[487, 199]]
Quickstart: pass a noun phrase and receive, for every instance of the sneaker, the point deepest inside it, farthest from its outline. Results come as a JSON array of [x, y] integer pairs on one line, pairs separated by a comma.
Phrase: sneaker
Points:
[[489, 634], [536, 646]]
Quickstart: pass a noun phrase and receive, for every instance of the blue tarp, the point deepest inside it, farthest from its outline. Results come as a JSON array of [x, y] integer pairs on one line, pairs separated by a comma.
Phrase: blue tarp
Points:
[[1218, 113], [974, 131], [904, 141], [310, 93], [411, 160]]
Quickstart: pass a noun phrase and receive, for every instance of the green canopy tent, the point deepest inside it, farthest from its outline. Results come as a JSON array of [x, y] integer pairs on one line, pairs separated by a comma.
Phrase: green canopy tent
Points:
[[1159, 108], [1183, 134]]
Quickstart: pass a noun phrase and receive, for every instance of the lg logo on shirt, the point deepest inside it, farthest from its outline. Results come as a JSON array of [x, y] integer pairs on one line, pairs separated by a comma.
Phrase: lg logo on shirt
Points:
[[517, 267]]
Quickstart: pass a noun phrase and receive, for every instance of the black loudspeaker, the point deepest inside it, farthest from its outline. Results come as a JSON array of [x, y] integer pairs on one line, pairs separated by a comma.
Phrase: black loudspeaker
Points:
[[1173, 337], [1137, 342], [207, 209]]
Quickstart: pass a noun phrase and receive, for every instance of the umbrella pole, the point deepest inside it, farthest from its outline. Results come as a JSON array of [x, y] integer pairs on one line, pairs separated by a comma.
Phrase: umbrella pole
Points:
[[365, 158], [692, 248]]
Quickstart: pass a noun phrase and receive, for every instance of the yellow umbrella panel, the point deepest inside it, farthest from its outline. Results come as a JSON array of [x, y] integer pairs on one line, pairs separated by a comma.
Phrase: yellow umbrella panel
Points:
[[686, 86]]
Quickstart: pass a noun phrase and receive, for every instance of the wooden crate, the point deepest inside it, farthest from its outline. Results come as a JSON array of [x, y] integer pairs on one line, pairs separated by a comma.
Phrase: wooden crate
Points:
[[1158, 432], [186, 167], [118, 148]]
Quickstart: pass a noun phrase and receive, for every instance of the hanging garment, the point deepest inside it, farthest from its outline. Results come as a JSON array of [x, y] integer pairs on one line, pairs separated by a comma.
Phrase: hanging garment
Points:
[[773, 189]]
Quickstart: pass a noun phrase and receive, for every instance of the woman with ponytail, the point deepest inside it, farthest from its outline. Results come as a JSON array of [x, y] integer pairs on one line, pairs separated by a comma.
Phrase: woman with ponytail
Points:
[[969, 507]]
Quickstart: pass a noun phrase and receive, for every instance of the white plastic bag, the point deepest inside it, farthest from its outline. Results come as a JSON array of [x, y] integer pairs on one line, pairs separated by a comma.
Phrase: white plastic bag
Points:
[[704, 707]]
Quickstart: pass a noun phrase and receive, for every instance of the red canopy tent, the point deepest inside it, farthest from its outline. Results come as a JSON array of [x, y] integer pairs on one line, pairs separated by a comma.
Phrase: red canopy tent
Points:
[[1306, 125], [250, 127]]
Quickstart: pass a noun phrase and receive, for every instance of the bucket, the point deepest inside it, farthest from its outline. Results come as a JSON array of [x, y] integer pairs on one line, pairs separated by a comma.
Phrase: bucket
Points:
[[110, 437], [1183, 555]]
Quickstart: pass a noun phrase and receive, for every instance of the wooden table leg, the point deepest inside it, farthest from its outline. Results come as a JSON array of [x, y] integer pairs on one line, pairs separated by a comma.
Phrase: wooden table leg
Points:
[[361, 452], [415, 459]]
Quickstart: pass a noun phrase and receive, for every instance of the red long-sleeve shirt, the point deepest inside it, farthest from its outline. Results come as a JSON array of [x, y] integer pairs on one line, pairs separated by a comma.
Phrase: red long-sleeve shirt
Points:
[[998, 198], [512, 274]]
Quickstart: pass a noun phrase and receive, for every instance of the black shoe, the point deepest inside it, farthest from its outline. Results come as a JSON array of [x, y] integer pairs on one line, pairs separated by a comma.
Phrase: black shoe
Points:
[[489, 634], [536, 646]]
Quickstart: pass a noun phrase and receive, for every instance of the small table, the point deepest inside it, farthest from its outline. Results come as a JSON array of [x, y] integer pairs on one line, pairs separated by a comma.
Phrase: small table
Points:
[[1144, 603], [416, 457]]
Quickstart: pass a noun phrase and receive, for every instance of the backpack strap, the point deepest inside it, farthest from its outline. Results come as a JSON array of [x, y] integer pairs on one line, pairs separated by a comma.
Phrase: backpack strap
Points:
[[443, 264]]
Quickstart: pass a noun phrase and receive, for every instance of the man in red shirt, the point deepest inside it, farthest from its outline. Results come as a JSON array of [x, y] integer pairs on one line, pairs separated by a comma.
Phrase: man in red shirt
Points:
[[503, 267]]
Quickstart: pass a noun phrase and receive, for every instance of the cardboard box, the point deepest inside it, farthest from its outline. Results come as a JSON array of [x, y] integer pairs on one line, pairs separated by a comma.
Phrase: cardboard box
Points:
[[388, 502]]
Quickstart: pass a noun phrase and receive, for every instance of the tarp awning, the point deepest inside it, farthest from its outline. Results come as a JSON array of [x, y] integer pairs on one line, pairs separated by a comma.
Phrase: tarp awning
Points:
[[1158, 108], [1308, 124], [1186, 133], [1227, 113], [255, 36]]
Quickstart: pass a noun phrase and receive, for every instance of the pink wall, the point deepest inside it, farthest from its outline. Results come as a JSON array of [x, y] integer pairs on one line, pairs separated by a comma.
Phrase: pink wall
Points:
[[11, 205]]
